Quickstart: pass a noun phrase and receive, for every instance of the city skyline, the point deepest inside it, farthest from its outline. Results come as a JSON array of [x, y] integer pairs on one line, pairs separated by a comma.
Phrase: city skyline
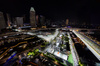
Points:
[[77, 11], [49, 33]]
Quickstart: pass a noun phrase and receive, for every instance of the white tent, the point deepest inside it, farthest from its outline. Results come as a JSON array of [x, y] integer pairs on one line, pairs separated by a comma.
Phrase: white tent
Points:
[[63, 56]]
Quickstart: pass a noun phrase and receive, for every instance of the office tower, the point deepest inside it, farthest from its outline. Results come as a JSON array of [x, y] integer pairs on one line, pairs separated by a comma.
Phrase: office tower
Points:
[[2, 21], [14, 21], [37, 19], [42, 20], [8, 20], [48, 22], [67, 21], [24, 19], [32, 17], [19, 21]]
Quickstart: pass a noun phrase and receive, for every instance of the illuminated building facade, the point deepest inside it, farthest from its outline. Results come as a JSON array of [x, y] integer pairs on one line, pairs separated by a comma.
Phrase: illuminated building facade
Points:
[[19, 21], [67, 21], [32, 17], [40, 21], [37, 19], [14, 21], [8, 20]]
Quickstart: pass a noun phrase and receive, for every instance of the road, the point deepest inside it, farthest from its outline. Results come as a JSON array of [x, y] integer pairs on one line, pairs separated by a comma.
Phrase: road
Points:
[[50, 37], [73, 51], [4, 60], [93, 47]]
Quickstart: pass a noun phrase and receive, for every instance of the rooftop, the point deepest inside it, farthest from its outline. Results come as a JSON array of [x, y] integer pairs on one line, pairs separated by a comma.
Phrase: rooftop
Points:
[[32, 9]]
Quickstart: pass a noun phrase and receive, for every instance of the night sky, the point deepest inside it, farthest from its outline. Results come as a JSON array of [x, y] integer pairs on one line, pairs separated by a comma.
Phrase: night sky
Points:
[[74, 10]]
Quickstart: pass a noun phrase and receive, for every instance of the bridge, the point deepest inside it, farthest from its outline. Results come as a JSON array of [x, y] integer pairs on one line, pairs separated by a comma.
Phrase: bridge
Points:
[[73, 51], [92, 46]]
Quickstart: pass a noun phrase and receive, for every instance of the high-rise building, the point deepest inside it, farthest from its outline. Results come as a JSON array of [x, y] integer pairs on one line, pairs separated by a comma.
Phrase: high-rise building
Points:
[[24, 18], [42, 20], [67, 21], [14, 21], [2, 21], [8, 20], [48, 23], [19, 21], [37, 19], [32, 17]]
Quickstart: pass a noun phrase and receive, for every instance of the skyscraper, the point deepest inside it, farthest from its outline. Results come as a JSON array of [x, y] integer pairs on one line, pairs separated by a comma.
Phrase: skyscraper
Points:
[[32, 17], [48, 23], [37, 19], [19, 21], [67, 21], [42, 20], [14, 21], [2, 21], [8, 20]]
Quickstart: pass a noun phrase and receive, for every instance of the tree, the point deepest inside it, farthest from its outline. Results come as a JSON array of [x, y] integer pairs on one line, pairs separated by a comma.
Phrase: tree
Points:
[[66, 38]]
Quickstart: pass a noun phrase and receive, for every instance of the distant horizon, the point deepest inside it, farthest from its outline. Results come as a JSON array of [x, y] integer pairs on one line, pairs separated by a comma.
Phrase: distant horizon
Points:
[[78, 11]]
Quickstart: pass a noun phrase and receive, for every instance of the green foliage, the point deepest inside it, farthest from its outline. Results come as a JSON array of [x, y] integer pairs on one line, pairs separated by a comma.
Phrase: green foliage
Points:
[[70, 59], [34, 52], [66, 39], [55, 60], [81, 63], [37, 50], [62, 45], [46, 43], [31, 53], [63, 37]]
